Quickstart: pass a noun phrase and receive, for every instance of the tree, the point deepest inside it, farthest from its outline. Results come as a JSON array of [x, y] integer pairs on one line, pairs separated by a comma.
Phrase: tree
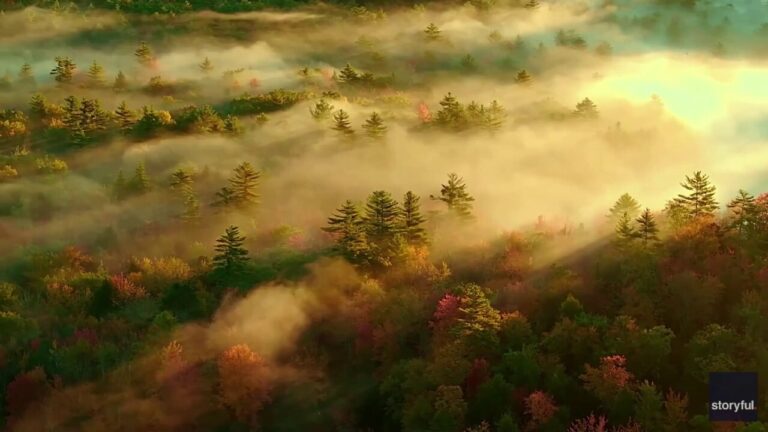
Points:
[[700, 202], [181, 179], [374, 126], [604, 49], [230, 256], [242, 188], [624, 205], [381, 216], [144, 55], [125, 118], [541, 407], [625, 233], [478, 322], [121, 82], [468, 62], [26, 75], [322, 110], [139, 183], [451, 113], [182, 182], [244, 383], [523, 77], [743, 211], [432, 32], [348, 75], [64, 70], [342, 123], [348, 226], [206, 66], [647, 230], [120, 188], [96, 75], [649, 407], [586, 108], [532, 4], [455, 196], [191, 205], [411, 220]]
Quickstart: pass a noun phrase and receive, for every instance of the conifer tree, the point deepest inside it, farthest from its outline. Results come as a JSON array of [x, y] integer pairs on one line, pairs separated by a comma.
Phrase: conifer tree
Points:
[[743, 212], [64, 70], [347, 225], [232, 125], [144, 55], [120, 188], [140, 183], [182, 182], [26, 76], [374, 126], [121, 82], [348, 75], [468, 62], [181, 179], [71, 118], [701, 198], [494, 116], [451, 113], [647, 230], [454, 194], [523, 77], [586, 108], [411, 220], [381, 216], [96, 75], [322, 110], [206, 66], [242, 188], [230, 256], [432, 32], [342, 123], [625, 233], [191, 206], [124, 117], [38, 107], [625, 204]]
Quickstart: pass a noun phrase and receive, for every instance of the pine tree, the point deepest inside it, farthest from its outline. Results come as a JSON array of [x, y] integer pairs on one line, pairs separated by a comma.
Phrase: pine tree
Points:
[[92, 117], [140, 183], [348, 75], [322, 110], [381, 216], [26, 76], [743, 212], [71, 118], [125, 118], [455, 195], [523, 77], [64, 70], [494, 116], [121, 82], [206, 66], [232, 125], [38, 107], [182, 182], [495, 37], [468, 62], [230, 256], [144, 55], [432, 32], [347, 225], [451, 113], [96, 76], [701, 199], [586, 108], [120, 188], [625, 204], [342, 123], [191, 206], [241, 191], [181, 179], [625, 233], [647, 230], [411, 220], [374, 126]]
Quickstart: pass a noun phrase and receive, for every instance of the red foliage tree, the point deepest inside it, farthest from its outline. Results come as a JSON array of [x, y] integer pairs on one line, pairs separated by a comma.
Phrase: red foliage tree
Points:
[[447, 311], [477, 375], [244, 383], [424, 114], [23, 392], [540, 407], [608, 379]]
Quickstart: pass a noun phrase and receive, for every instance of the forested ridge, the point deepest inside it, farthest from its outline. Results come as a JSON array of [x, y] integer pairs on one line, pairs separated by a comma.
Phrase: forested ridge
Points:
[[385, 216]]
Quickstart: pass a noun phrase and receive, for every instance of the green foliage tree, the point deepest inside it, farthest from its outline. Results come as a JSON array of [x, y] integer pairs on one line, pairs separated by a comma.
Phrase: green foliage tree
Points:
[[469, 63], [206, 66], [478, 321], [242, 190], [120, 187], [26, 75], [374, 126], [624, 205], [700, 201], [231, 256], [121, 82], [348, 75], [140, 183], [411, 220], [432, 32], [348, 226], [342, 125], [647, 231], [124, 117], [64, 71], [144, 55], [742, 211], [586, 109], [451, 113], [322, 110], [523, 77], [96, 76], [381, 216], [454, 194]]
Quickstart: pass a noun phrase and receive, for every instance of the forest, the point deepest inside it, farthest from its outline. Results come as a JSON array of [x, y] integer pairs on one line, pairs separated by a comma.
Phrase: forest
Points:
[[375, 216]]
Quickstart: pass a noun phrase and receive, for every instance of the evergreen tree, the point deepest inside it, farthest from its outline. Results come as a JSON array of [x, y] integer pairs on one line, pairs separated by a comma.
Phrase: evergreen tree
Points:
[[96, 76], [455, 196], [701, 199], [347, 224], [432, 32], [381, 216], [523, 77], [586, 108], [232, 125], [38, 107], [182, 182], [144, 55], [342, 123], [451, 113], [646, 227], [64, 70], [125, 118], [494, 116], [374, 126], [625, 204], [743, 211], [26, 76], [120, 188], [242, 188], [411, 220], [71, 118], [348, 75], [206, 66], [625, 233], [322, 110], [468, 62], [91, 116], [140, 183], [230, 256], [191, 205], [181, 179], [121, 82]]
